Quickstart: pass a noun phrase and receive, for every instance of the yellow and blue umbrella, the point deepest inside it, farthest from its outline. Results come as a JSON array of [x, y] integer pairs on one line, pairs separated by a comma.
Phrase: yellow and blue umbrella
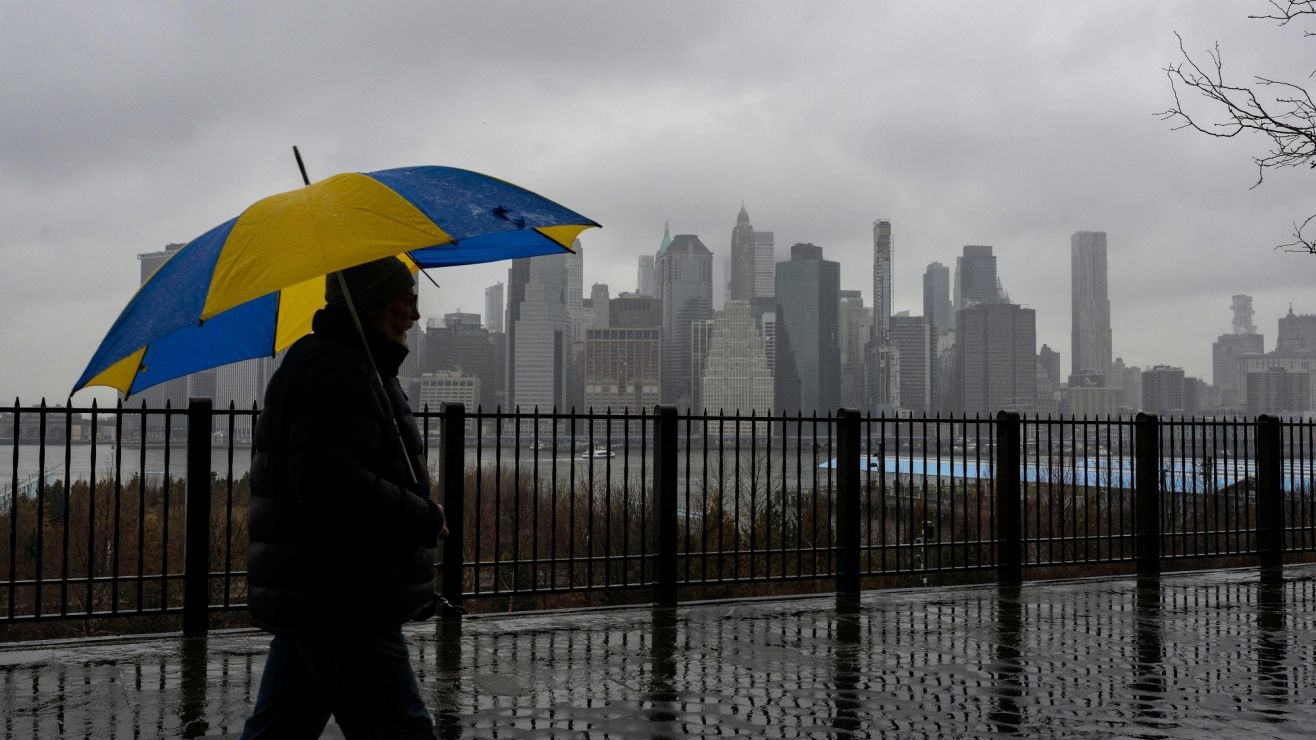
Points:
[[249, 287]]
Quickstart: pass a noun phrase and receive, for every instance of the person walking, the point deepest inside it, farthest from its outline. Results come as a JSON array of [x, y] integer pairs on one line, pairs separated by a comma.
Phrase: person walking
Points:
[[343, 533]]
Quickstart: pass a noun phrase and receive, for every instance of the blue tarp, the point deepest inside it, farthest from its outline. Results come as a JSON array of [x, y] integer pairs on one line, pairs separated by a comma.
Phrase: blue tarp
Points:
[[1179, 475]]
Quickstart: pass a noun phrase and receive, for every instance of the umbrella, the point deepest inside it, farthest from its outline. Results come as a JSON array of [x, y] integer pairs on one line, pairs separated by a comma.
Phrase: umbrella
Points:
[[249, 287]]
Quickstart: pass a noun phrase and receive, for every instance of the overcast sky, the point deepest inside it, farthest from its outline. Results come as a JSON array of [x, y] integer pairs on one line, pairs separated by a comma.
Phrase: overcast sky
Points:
[[127, 126]]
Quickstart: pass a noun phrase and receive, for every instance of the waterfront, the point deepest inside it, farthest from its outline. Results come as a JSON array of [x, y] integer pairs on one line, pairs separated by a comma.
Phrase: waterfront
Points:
[[1189, 656]]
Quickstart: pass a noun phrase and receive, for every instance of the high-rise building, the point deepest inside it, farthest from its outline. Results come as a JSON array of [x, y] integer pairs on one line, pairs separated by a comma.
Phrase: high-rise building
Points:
[[1297, 333], [1163, 390], [493, 308], [460, 344], [685, 289], [539, 334], [600, 307], [996, 358], [633, 311], [1090, 341], [936, 297], [768, 330], [737, 378], [743, 258], [622, 368], [1279, 391], [701, 336], [910, 335], [808, 372], [853, 329], [1227, 375], [765, 265], [645, 285], [1048, 379], [883, 362], [975, 278]]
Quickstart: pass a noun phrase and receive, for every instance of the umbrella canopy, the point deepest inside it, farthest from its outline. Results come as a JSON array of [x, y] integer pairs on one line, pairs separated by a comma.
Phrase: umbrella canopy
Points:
[[249, 287]]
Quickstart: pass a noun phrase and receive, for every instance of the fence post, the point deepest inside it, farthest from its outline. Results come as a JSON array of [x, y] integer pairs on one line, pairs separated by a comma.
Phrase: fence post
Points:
[[452, 479], [664, 488], [1270, 499], [849, 493], [1146, 494], [1009, 531], [196, 544]]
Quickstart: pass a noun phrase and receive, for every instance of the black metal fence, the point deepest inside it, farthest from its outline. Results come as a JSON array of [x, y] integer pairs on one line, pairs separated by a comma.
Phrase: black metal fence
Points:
[[101, 515]]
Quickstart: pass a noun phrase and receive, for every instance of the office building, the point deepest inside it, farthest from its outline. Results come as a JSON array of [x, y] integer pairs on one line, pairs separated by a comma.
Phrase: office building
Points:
[[1164, 391], [975, 278], [1090, 340], [632, 311], [911, 338], [937, 307], [493, 308], [882, 361], [1227, 354], [736, 378], [1297, 333], [995, 358], [645, 283], [685, 290], [808, 371], [743, 259], [854, 328], [1280, 392], [459, 343], [539, 338], [765, 267], [622, 369]]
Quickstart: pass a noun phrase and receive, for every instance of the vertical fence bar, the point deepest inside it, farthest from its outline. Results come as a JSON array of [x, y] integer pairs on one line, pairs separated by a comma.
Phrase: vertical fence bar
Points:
[[196, 543], [665, 489], [1270, 499], [453, 477], [1146, 498], [1009, 544], [848, 510]]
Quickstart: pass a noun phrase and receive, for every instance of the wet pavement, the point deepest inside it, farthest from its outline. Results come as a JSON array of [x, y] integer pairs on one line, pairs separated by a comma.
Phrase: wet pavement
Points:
[[1196, 655]]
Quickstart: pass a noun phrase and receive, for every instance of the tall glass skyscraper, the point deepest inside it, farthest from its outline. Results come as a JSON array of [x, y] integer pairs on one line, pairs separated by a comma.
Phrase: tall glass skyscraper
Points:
[[808, 376], [685, 286], [1090, 350]]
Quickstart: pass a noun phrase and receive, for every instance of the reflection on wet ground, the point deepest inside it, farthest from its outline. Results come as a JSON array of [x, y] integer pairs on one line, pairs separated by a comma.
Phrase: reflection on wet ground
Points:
[[1199, 655]]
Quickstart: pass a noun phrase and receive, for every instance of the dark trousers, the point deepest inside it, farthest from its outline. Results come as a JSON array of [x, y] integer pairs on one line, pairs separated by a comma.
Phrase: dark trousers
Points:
[[364, 680]]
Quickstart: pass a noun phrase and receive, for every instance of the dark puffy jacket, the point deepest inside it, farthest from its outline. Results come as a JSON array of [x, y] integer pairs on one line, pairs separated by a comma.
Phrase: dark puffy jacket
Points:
[[340, 536]]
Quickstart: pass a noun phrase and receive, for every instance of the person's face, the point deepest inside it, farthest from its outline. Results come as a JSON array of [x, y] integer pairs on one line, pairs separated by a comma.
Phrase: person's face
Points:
[[399, 315]]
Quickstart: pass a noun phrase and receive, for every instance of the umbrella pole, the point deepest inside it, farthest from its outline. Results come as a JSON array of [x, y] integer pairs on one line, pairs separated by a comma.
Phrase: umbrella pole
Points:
[[374, 369]]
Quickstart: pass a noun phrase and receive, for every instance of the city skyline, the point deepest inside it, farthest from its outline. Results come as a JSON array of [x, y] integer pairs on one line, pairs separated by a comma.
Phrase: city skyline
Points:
[[124, 136]]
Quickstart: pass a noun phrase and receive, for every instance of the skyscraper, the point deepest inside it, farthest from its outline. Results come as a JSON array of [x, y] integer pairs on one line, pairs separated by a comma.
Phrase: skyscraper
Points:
[[995, 358], [765, 265], [742, 259], [854, 329], [975, 277], [1227, 354], [685, 287], [538, 333], [645, 285], [808, 373], [493, 308], [937, 308], [736, 376], [882, 264], [910, 335], [1090, 342]]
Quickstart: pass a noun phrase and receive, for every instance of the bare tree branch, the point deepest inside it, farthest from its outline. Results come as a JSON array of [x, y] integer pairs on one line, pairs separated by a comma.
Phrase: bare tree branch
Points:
[[1282, 113]]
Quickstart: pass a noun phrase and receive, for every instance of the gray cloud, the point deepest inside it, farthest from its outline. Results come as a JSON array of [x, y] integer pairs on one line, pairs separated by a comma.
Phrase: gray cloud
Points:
[[131, 126]]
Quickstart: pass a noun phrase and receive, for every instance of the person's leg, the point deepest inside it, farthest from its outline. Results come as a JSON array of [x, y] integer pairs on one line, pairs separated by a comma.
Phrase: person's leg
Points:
[[367, 681], [289, 703]]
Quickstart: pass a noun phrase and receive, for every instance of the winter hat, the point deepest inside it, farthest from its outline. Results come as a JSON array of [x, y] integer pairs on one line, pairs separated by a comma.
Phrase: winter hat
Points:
[[372, 284]]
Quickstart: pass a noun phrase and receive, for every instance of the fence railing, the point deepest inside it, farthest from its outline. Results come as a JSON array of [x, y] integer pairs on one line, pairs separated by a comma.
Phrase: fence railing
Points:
[[135, 512]]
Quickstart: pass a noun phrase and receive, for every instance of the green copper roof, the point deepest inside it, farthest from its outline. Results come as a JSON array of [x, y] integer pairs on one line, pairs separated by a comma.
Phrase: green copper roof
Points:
[[667, 239]]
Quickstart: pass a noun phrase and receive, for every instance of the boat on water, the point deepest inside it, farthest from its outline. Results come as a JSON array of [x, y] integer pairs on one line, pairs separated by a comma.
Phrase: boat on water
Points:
[[597, 453]]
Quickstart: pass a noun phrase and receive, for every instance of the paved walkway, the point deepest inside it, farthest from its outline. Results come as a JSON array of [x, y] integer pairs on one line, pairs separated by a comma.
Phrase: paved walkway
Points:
[[1201, 655]]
